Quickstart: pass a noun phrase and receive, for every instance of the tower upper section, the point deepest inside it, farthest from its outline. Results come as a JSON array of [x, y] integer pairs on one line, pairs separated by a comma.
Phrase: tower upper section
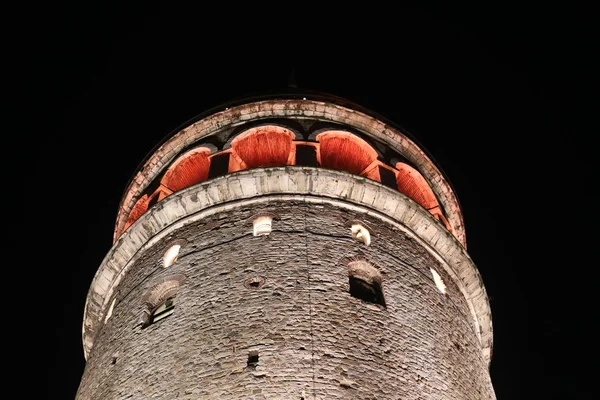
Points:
[[310, 130], [293, 147]]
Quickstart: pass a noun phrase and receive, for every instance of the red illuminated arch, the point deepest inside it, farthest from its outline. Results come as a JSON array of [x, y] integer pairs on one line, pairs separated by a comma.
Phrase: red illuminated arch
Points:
[[264, 146], [411, 183], [187, 170], [145, 202], [139, 208], [273, 146], [344, 151]]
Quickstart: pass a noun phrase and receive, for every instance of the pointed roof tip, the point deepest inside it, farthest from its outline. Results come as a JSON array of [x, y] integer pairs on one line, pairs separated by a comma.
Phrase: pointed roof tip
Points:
[[292, 79]]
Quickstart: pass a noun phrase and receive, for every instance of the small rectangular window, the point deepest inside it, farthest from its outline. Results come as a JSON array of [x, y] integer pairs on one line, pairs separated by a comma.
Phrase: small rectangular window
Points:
[[388, 178], [219, 165], [306, 155], [252, 359], [164, 310], [369, 292]]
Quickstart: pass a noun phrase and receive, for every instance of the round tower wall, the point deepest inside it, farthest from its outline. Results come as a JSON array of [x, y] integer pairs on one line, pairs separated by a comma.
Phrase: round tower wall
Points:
[[312, 337]]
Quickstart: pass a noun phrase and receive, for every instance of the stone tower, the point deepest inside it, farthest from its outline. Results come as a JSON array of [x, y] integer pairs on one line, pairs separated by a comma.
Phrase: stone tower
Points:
[[291, 246]]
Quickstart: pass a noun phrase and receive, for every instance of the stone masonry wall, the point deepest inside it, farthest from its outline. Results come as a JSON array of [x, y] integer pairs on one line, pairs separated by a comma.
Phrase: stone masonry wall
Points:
[[315, 341]]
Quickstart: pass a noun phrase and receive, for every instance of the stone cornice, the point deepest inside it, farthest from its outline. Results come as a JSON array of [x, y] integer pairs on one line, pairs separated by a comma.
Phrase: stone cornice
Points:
[[292, 109], [312, 185]]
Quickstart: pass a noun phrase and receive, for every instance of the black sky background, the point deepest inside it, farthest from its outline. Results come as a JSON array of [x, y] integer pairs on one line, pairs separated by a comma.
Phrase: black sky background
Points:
[[496, 95]]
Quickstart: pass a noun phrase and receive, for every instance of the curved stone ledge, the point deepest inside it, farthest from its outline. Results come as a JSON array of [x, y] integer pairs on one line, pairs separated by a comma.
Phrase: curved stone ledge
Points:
[[312, 185], [292, 109]]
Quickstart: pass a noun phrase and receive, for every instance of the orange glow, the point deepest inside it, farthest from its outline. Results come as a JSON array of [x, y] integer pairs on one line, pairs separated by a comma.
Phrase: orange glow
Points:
[[372, 171], [411, 183], [189, 169], [235, 162], [264, 146], [138, 209], [144, 202], [275, 146], [437, 213], [159, 194], [343, 151]]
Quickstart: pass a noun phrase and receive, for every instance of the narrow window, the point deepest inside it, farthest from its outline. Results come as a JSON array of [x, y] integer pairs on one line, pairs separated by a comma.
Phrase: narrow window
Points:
[[361, 234], [219, 165], [388, 178], [307, 155], [164, 310], [439, 283], [365, 282], [171, 255], [369, 292], [160, 300], [252, 359]]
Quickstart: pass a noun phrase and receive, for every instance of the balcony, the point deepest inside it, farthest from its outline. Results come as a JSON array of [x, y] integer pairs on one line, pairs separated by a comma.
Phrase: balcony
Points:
[[274, 145]]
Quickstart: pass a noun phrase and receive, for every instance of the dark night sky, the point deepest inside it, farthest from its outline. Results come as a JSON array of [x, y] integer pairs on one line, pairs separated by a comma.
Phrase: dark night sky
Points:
[[496, 95]]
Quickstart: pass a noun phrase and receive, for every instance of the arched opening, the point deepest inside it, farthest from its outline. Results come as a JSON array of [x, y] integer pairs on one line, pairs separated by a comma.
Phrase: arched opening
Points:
[[160, 300], [163, 310], [344, 151], [365, 282], [187, 170], [139, 208], [264, 146], [411, 183]]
